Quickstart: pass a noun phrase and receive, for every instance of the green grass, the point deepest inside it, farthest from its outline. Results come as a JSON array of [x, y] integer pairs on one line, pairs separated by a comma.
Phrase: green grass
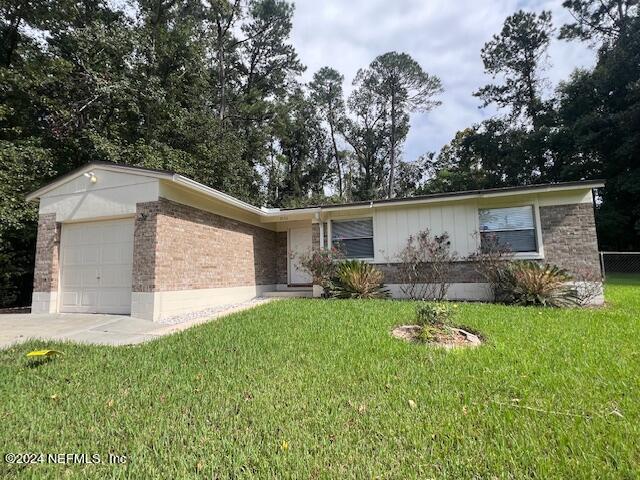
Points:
[[219, 400]]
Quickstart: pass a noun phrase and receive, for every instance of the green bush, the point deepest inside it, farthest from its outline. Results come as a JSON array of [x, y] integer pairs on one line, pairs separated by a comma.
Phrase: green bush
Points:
[[531, 283], [357, 279], [434, 313]]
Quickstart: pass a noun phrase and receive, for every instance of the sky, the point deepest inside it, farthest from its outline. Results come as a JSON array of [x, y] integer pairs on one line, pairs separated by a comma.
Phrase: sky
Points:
[[444, 36]]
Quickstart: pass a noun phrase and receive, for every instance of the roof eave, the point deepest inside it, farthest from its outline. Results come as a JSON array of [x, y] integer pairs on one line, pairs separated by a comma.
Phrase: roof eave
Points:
[[461, 196]]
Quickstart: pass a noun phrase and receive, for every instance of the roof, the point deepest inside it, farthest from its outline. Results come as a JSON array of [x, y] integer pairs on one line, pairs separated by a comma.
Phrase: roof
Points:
[[481, 192], [272, 213]]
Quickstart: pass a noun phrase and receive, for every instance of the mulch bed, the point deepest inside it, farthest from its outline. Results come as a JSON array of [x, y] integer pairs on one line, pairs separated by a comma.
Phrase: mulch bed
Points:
[[442, 336], [15, 310]]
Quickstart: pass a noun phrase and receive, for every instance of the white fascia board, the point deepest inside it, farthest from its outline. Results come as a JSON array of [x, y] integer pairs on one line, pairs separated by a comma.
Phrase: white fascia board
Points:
[[463, 198]]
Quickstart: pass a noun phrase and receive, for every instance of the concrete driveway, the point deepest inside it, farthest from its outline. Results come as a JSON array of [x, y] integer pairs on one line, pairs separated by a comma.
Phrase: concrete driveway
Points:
[[84, 328], [101, 329]]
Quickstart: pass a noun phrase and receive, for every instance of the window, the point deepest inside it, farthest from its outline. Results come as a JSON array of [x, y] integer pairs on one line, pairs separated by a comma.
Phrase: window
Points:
[[512, 227], [354, 237]]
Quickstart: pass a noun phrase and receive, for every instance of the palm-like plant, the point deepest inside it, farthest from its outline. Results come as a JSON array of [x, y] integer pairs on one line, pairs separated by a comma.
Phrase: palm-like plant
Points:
[[530, 283], [357, 279]]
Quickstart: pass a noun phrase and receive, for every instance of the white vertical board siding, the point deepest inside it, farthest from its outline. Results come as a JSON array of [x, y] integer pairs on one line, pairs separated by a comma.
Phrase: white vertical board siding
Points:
[[393, 226]]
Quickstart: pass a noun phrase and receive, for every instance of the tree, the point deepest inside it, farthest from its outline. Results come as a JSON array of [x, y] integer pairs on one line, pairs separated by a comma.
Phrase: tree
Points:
[[604, 20], [186, 85], [410, 176], [600, 116], [304, 149], [326, 93], [517, 55], [402, 86], [366, 132], [458, 166]]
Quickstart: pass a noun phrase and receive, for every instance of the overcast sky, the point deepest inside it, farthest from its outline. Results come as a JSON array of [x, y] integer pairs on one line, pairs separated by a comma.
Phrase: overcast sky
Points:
[[444, 36]]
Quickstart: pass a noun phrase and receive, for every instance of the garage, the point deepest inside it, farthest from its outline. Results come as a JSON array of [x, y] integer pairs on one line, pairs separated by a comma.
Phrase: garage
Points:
[[96, 265]]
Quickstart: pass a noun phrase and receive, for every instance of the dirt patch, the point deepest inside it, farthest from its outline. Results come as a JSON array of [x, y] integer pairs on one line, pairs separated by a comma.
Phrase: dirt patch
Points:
[[440, 335]]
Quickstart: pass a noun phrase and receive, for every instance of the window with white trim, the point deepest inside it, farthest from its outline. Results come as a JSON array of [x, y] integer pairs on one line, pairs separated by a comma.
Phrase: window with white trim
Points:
[[353, 237], [511, 227]]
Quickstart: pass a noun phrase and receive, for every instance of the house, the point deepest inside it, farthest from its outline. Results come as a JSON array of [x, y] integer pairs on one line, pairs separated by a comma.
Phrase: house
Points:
[[153, 244]]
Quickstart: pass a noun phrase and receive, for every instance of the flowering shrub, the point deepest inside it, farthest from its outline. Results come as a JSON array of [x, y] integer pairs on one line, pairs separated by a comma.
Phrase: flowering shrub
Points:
[[321, 264], [425, 266]]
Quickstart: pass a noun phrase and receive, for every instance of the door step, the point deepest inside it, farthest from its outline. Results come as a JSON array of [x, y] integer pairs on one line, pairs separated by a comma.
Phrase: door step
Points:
[[307, 293]]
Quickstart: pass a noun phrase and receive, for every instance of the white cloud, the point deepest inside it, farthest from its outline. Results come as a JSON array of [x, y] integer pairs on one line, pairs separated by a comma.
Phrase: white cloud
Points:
[[444, 36]]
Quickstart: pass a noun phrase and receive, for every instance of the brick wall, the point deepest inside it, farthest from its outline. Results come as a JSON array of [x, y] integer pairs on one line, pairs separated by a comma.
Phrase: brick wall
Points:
[[178, 247], [461, 272], [282, 258], [144, 247], [569, 237], [45, 275]]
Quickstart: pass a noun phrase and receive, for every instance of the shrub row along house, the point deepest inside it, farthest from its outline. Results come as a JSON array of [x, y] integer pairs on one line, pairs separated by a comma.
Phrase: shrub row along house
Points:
[[153, 244]]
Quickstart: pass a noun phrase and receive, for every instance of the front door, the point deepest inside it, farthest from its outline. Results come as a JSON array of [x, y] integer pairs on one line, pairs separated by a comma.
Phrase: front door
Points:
[[299, 244]]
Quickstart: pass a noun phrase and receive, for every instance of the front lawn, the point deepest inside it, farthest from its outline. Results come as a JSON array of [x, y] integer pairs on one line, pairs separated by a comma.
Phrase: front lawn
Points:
[[319, 389]]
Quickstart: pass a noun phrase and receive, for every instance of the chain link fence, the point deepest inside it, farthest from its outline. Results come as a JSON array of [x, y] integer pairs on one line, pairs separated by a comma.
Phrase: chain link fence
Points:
[[620, 262]]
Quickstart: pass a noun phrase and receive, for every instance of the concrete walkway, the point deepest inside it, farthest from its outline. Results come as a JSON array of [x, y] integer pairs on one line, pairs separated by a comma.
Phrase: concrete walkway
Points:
[[94, 328]]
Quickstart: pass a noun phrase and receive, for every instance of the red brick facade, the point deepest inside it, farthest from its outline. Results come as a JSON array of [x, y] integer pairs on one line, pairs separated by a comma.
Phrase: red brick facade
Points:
[[177, 247], [46, 270]]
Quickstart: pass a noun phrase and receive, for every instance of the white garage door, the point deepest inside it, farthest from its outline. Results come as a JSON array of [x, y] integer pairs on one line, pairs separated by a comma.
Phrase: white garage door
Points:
[[96, 261]]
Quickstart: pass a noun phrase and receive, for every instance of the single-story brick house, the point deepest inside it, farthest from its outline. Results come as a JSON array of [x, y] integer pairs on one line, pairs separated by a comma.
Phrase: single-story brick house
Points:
[[153, 244]]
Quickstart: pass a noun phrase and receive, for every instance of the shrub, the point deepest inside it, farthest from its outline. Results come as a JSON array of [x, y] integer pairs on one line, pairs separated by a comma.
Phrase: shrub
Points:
[[434, 313], [588, 285], [530, 283], [490, 260], [357, 279], [425, 266], [321, 264]]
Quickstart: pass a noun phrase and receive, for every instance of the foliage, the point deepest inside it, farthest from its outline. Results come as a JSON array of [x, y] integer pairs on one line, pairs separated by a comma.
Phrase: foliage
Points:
[[600, 136], [490, 260], [400, 86], [516, 53], [327, 95], [531, 283], [424, 266], [357, 279], [434, 313], [605, 20], [322, 264]]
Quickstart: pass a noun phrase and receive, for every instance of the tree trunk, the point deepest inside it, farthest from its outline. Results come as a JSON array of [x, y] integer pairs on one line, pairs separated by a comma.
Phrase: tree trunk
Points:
[[392, 159], [11, 41], [221, 71], [335, 154]]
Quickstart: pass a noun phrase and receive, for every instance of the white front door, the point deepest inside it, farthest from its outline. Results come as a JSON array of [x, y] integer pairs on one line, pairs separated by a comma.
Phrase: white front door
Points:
[[299, 244], [96, 263]]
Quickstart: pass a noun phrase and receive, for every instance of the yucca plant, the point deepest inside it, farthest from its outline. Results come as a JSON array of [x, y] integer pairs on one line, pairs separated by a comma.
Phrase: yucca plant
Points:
[[357, 279], [531, 283]]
